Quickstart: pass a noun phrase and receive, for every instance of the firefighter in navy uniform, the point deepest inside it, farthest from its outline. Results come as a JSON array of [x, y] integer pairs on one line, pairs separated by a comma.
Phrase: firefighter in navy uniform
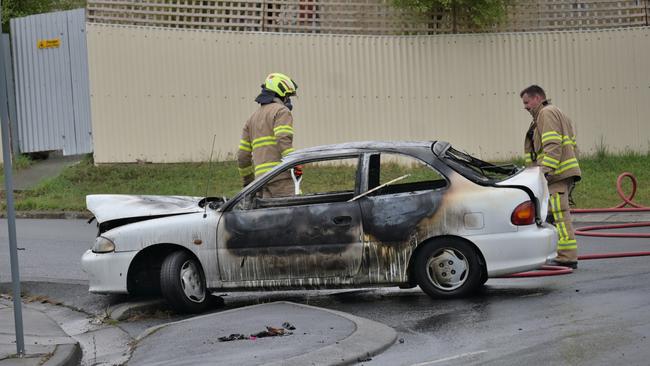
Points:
[[551, 144], [268, 136]]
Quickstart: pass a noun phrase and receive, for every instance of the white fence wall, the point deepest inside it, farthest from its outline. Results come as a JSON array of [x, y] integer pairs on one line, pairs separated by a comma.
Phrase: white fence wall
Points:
[[159, 95]]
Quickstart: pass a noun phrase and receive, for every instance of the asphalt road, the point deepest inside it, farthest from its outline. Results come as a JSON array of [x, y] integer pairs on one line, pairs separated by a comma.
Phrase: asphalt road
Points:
[[52, 249], [595, 316]]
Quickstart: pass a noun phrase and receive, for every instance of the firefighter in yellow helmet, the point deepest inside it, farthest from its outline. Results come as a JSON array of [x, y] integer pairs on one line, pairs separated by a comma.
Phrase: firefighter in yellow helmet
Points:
[[551, 144], [268, 136]]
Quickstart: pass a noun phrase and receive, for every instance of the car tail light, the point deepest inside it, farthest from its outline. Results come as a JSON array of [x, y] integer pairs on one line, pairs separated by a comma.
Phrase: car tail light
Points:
[[524, 214]]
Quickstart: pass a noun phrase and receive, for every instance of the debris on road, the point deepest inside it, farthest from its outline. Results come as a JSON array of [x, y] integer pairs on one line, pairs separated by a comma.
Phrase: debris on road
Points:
[[367, 358], [269, 332], [288, 326], [232, 337]]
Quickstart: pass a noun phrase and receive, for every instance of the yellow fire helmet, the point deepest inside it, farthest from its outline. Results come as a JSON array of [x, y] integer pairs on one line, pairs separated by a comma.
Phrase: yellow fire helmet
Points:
[[280, 84]]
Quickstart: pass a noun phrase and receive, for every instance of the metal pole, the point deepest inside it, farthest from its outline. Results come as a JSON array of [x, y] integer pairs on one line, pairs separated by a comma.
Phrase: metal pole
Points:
[[11, 223]]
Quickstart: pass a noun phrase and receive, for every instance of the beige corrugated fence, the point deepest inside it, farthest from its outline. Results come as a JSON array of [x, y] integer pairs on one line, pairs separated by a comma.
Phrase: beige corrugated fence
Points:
[[160, 95]]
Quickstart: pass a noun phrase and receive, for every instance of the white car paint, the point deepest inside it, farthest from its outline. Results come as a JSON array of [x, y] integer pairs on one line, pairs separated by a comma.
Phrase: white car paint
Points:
[[108, 207], [468, 212], [105, 269]]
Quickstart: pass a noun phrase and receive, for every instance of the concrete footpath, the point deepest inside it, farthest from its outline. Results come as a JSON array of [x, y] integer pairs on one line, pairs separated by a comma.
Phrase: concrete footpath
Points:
[[40, 170], [309, 336], [282, 333], [45, 342]]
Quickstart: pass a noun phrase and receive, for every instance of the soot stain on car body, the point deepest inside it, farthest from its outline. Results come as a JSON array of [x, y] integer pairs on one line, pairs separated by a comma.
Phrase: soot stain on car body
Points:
[[393, 220], [252, 231], [381, 254]]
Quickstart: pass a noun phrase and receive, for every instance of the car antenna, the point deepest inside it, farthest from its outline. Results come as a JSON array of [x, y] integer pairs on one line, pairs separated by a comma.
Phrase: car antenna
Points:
[[207, 183]]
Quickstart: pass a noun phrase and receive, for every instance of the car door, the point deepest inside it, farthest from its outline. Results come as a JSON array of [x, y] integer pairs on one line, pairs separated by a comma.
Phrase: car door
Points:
[[315, 234], [399, 214]]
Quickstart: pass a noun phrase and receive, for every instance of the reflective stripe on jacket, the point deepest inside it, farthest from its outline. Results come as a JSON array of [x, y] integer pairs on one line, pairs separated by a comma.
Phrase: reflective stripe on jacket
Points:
[[553, 145], [266, 138]]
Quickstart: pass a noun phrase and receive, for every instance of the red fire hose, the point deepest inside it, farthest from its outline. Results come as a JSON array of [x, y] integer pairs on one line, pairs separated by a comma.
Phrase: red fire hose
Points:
[[586, 231]]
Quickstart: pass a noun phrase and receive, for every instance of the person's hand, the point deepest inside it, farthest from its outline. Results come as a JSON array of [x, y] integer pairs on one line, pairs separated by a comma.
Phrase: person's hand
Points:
[[297, 171]]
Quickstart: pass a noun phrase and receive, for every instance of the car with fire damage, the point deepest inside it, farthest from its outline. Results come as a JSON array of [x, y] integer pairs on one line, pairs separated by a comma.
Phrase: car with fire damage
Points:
[[392, 214]]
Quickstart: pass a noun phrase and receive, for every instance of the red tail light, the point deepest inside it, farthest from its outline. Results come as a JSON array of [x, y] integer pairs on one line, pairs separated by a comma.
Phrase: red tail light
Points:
[[524, 214]]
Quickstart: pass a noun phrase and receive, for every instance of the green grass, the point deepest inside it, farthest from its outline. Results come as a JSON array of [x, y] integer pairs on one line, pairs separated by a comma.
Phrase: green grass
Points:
[[68, 191], [599, 174], [21, 162]]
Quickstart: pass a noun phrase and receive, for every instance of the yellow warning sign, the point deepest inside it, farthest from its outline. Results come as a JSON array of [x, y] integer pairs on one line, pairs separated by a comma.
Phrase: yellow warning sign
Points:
[[49, 43]]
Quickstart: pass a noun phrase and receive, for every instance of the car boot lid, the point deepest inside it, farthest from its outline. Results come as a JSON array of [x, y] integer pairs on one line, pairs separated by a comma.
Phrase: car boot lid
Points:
[[107, 207], [533, 179]]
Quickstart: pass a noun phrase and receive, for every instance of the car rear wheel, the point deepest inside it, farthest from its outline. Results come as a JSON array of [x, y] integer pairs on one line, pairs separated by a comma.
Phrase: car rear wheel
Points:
[[448, 268], [182, 283]]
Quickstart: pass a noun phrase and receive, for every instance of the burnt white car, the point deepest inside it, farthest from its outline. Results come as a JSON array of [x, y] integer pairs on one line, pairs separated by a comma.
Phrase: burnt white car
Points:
[[394, 214]]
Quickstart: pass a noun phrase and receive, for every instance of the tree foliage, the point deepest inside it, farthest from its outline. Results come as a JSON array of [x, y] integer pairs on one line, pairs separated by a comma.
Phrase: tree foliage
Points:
[[480, 13], [22, 8]]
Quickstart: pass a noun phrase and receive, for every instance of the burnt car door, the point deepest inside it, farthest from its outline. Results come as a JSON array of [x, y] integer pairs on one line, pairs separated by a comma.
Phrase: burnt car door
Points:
[[314, 234], [401, 213]]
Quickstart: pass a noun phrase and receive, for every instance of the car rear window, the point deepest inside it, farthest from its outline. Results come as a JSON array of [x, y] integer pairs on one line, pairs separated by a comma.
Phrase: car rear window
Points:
[[477, 169]]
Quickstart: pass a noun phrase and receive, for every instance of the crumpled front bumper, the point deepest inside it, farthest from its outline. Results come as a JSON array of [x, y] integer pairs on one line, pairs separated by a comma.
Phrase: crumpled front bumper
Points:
[[107, 272]]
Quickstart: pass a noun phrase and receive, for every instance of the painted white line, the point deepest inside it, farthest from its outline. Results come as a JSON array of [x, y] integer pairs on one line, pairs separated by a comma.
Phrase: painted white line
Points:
[[449, 358]]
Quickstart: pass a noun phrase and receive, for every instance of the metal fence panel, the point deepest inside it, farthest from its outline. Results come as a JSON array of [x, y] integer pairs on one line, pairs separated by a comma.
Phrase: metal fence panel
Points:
[[52, 101], [80, 85], [159, 95]]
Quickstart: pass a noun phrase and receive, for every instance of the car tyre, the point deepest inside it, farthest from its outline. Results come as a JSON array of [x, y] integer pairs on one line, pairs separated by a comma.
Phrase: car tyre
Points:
[[448, 268], [182, 283]]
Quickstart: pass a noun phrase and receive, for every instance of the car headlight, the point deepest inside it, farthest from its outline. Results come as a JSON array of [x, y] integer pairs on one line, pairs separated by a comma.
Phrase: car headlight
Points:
[[103, 245]]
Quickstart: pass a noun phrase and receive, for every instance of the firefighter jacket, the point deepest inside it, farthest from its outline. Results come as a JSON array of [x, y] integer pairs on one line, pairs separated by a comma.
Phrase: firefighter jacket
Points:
[[266, 138], [551, 144]]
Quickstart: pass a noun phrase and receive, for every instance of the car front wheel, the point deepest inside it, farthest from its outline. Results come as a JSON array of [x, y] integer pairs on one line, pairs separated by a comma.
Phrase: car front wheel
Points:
[[448, 268], [182, 283]]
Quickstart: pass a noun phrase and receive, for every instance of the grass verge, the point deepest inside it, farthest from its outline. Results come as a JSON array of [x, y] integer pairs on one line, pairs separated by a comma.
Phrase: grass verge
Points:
[[20, 162], [68, 190]]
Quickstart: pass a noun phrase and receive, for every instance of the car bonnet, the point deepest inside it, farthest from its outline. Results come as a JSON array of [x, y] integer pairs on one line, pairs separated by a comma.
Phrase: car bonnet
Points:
[[107, 207]]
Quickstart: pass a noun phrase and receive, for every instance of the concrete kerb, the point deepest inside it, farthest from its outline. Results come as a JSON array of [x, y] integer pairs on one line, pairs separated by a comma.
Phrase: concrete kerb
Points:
[[368, 339], [42, 334], [66, 215], [124, 310], [65, 355], [611, 217]]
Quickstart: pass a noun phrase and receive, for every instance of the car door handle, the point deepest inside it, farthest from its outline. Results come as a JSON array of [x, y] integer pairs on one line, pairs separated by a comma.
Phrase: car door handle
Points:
[[342, 220]]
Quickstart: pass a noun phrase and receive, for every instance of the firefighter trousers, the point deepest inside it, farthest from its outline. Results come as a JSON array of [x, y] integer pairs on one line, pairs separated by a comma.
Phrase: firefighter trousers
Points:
[[567, 246], [278, 188]]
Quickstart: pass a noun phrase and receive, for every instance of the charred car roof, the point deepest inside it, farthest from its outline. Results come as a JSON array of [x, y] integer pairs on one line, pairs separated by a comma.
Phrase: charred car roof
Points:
[[362, 146]]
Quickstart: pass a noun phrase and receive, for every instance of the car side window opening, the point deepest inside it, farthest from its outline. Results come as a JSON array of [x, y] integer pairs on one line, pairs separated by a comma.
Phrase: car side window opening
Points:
[[417, 175], [322, 181]]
